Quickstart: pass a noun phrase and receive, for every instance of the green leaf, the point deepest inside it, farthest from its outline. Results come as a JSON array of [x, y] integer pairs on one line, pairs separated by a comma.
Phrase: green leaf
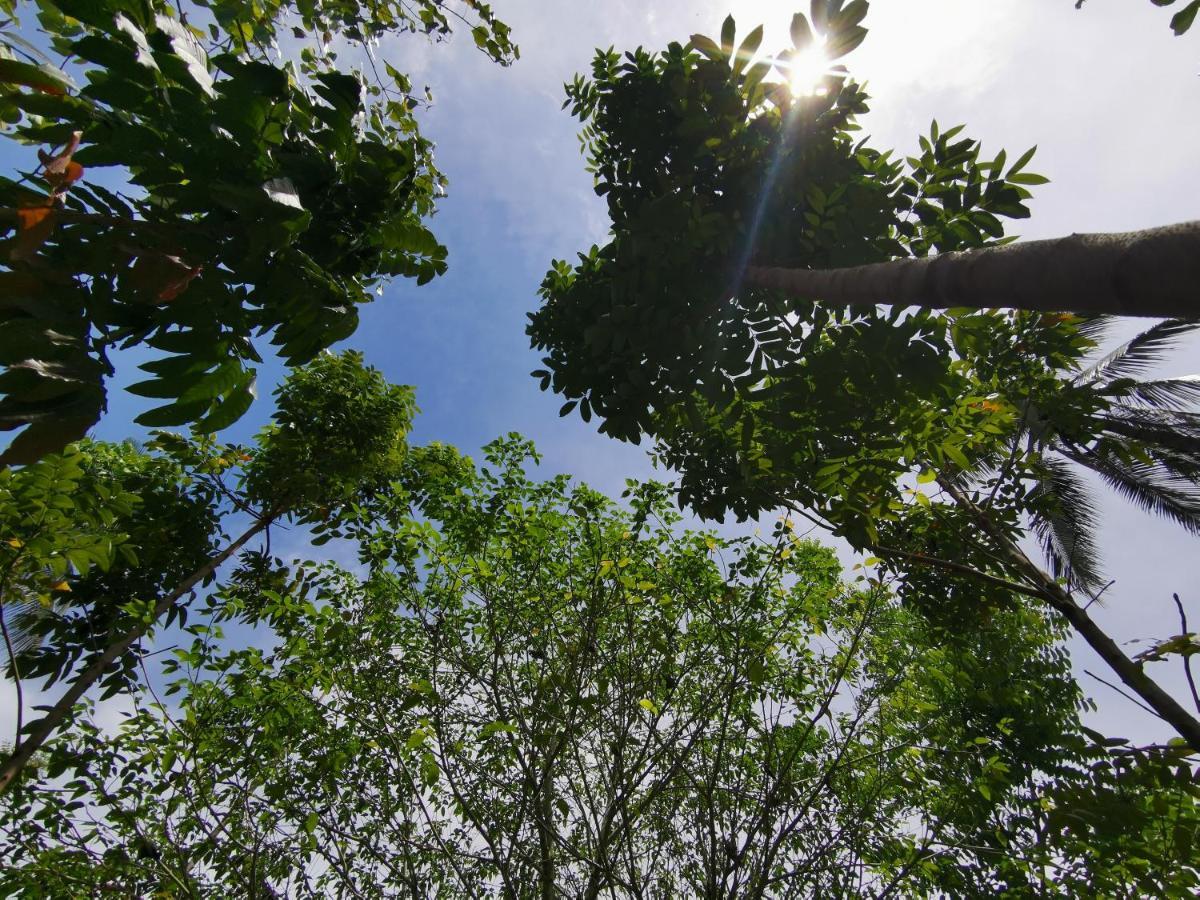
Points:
[[1023, 161], [748, 48], [497, 728], [1185, 18], [802, 34], [42, 77], [844, 42], [707, 47], [233, 405], [1026, 178], [173, 414], [648, 705], [956, 455], [728, 33], [852, 15]]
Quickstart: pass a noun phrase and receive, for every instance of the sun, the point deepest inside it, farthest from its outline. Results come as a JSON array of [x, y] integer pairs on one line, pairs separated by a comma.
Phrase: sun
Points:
[[808, 69]]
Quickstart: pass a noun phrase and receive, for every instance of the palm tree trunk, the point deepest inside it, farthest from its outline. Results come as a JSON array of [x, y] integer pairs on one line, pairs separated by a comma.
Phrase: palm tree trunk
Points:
[[1139, 273], [43, 728], [1170, 711]]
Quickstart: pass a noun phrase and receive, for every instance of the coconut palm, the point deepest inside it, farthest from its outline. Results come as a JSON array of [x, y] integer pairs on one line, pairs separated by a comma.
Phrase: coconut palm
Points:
[[1141, 436]]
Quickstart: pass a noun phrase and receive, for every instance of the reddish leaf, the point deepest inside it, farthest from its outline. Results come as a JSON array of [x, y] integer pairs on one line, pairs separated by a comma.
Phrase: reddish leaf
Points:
[[72, 172], [180, 284], [34, 225], [161, 277], [59, 169]]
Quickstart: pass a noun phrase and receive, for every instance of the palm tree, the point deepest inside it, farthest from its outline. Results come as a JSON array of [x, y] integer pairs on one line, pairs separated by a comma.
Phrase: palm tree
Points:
[[1149, 273], [1140, 436]]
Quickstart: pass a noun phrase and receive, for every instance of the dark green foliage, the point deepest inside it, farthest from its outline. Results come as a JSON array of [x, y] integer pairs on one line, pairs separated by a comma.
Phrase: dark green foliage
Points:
[[262, 198], [751, 395], [760, 399], [80, 614]]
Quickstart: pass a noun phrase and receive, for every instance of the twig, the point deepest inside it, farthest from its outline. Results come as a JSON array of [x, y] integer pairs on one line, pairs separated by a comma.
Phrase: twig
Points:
[[1187, 660], [1129, 697], [1096, 596]]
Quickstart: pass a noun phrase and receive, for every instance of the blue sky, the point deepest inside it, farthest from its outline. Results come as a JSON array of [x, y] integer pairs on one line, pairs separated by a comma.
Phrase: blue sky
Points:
[[1102, 92]]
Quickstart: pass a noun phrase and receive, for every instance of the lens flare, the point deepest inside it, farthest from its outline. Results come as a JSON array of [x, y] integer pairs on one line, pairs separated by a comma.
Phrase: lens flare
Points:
[[807, 71]]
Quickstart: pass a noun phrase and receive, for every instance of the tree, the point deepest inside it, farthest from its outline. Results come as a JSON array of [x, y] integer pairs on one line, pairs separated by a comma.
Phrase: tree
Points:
[[1147, 273], [761, 401], [260, 196], [529, 691], [1142, 273], [1141, 436], [338, 433], [88, 533]]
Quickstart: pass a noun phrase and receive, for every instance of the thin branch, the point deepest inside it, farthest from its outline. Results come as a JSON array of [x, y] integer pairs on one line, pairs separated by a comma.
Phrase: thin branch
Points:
[[1096, 596], [1126, 695], [1187, 660], [1130, 672]]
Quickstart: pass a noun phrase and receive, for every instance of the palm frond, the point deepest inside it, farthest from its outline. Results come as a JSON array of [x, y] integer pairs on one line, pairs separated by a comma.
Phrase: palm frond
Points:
[[1154, 431], [1095, 327], [1154, 418], [1163, 393], [21, 619], [1139, 353], [1064, 522], [1147, 485]]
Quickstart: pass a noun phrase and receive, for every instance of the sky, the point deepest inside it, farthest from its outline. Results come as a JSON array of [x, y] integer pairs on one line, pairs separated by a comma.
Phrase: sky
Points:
[[1103, 92]]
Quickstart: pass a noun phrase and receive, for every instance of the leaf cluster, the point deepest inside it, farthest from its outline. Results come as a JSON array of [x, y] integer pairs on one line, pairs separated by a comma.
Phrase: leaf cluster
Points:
[[709, 168], [259, 198], [92, 537]]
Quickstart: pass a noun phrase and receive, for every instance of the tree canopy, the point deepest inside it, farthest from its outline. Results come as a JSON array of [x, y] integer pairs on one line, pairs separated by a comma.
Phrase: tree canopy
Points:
[[346, 665], [338, 436], [257, 197], [761, 400], [530, 691]]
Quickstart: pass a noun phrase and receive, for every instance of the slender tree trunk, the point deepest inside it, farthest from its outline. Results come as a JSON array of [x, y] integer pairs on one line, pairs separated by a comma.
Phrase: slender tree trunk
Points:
[[1139, 273], [1185, 724], [43, 728], [547, 875]]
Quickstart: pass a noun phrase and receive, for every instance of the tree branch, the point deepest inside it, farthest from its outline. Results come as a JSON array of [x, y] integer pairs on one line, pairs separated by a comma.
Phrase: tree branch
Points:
[[43, 728], [1187, 660], [1053, 594]]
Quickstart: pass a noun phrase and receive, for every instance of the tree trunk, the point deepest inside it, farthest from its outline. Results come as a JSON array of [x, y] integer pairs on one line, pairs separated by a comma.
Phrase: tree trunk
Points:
[[44, 727], [1053, 594], [1139, 273]]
